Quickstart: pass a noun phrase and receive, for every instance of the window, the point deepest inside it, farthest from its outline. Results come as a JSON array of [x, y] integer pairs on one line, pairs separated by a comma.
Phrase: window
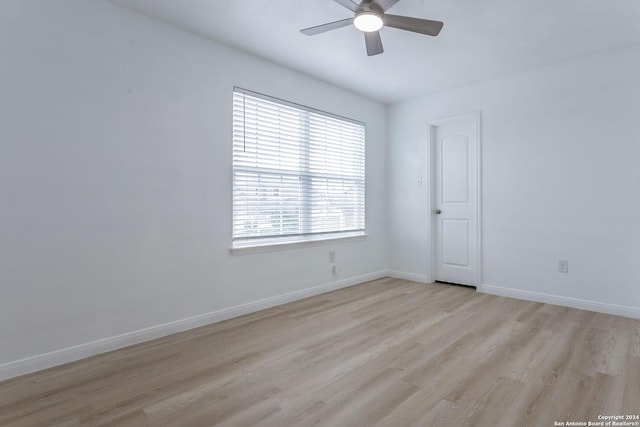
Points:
[[298, 173]]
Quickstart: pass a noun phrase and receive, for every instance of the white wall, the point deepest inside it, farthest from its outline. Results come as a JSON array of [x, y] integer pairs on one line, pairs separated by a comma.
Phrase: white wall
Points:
[[115, 177], [561, 180]]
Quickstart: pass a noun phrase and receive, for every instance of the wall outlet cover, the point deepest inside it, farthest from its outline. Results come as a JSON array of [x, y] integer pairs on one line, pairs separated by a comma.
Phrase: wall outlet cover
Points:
[[563, 266]]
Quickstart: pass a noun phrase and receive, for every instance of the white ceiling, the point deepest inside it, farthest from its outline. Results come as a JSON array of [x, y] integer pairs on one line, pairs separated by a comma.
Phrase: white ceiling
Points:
[[480, 40]]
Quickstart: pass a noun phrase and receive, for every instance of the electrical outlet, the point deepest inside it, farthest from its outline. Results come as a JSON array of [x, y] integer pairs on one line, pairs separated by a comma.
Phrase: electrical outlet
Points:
[[332, 256], [563, 266]]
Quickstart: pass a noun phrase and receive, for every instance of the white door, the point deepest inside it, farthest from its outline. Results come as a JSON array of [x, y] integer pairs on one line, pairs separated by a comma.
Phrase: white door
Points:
[[455, 200]]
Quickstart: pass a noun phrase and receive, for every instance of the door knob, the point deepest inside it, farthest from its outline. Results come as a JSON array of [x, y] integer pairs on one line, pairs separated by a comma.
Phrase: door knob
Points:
[[437, 211]]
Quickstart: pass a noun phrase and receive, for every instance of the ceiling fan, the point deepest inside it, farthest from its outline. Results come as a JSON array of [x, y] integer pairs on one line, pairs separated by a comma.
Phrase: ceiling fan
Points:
[[369, 16]]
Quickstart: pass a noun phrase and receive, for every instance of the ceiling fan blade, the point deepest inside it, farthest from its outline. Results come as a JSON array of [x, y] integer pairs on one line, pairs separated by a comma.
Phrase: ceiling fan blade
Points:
[[327, 27], [416, 25], [373, 42], [385, 4], [348, 4]]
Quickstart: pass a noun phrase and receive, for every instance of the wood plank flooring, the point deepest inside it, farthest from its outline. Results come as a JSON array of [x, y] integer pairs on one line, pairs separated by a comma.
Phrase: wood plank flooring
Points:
[[385, 353]]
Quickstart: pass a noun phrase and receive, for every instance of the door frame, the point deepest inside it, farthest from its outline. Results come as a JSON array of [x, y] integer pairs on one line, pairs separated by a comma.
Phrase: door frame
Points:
[[431, 202]]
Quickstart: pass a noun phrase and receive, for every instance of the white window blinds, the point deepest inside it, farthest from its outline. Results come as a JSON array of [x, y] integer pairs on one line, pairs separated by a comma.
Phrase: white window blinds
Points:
[[298, 173]]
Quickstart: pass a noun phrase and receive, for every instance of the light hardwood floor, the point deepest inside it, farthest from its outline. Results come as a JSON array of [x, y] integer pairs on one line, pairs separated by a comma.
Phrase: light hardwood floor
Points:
[[385, 353]]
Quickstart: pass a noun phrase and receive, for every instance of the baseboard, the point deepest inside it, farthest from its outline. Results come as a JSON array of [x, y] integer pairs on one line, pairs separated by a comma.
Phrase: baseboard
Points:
[[616, 310], [82, 351], [409, 276]]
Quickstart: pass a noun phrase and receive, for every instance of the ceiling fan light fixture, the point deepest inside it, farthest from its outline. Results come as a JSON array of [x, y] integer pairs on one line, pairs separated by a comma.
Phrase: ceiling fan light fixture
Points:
[[368, 22], [371, 15]]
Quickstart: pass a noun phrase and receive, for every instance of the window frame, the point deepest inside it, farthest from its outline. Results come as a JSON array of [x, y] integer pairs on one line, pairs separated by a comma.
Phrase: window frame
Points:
[[244, 245]]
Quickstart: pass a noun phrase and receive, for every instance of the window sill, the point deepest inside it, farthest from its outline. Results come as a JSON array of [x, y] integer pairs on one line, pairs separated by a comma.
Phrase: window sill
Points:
[[285, 246]]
